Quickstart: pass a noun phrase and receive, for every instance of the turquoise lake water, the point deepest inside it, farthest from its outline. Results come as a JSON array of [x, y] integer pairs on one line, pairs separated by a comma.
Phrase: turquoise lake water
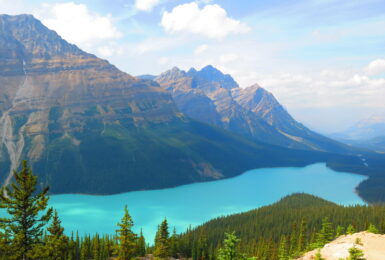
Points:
[[196, 203]]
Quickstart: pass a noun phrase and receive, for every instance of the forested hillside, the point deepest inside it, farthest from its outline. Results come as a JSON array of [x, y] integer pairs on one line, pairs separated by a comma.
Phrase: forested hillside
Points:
[[289, 227]]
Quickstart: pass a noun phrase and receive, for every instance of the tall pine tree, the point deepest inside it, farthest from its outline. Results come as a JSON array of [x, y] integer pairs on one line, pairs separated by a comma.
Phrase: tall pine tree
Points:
[[162, 241], [141, 245], [28, 213], [126, 237], [229, 250], [57, 245]]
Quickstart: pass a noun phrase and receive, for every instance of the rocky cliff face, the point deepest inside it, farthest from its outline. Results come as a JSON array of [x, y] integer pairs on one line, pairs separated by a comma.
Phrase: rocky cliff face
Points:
[[87, 127], [215, 98]]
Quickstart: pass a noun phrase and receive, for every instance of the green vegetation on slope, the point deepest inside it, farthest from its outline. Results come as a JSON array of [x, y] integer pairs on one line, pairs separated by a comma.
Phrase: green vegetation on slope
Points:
[[291, 226], [118, 158]]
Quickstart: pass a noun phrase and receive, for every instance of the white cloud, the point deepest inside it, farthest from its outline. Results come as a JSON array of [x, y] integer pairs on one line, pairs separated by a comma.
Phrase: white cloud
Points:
[[107, 51], [211, 21], [325, 90], [146, 5], [77, 24], [376, 67], [164, 60], [202, 48], [228, 58]]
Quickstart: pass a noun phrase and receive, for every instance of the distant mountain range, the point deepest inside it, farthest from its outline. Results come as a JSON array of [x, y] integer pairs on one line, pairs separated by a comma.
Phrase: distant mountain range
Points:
[[87, 127], [368, 133], [212, 97], [366, 129]]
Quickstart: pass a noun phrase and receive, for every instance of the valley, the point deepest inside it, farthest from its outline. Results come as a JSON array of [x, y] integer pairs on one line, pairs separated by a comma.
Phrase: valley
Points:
[[199, 156]]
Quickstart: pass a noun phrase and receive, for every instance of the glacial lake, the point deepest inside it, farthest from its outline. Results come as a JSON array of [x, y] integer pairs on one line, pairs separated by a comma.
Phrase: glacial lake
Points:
[[197, 203]]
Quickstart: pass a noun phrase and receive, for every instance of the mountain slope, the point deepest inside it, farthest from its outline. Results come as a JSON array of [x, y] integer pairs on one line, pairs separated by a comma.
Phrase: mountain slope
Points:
[[291, 223], [212, 97], [87, 127]]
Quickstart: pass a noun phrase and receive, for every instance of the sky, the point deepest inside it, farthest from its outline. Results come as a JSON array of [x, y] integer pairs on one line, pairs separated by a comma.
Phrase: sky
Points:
[[324, 60]]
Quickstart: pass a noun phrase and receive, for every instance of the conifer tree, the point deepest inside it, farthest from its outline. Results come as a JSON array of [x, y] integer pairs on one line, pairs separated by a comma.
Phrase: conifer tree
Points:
[[372, 228], [350, 230], [326, 233], [229, 250], [302, 236], [340, 231], [141, 245], [28, 213], [57, 244], [126, 237], [355, 254], [162, 241], [5, 242], [96, 247], [174, 244], [282, 250]]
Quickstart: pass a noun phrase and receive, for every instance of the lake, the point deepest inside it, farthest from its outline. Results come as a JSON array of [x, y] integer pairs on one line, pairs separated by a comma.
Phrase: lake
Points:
[[196, 203]]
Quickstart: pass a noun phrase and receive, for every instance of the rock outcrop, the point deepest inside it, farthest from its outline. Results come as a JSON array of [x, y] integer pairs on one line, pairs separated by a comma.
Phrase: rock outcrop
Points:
[[212, 97], [372, 245]]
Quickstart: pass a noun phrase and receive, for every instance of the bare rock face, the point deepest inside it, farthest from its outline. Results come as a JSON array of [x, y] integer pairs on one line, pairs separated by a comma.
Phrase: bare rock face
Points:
[[212, 97], [371, 244]]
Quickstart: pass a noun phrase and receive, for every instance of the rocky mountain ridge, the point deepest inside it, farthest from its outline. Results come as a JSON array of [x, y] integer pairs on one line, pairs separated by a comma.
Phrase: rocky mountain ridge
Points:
[[215, 98]]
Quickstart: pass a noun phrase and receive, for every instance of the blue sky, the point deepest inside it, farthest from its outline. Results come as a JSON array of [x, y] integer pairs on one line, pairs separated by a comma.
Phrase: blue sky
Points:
[[323, 59]]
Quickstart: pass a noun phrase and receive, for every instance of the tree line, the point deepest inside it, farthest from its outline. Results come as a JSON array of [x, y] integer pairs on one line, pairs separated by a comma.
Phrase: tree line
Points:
[[282, 231]]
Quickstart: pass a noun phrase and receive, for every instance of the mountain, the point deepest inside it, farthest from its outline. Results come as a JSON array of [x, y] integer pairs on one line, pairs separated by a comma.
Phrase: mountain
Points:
[[366, 129], [87, 127], [212, 97]]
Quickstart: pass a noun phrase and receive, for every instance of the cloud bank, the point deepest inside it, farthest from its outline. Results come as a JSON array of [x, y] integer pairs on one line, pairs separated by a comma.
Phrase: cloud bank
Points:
[[77, 24], [211, 21]]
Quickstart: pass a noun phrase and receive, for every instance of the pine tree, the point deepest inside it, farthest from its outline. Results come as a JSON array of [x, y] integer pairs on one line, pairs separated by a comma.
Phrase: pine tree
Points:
[[141, 245], [96, 247], [57, 244], [174, 244], [350, 230], [372, 228], [126, 237], [282, 251], [355, 254], [5, 242], [28, 213], [162, 241], [340, 231], [302, 236], [229, 250], [326, 233]]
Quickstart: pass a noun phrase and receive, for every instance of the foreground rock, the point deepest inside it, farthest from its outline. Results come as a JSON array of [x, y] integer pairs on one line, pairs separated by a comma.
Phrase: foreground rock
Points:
[[373, 246]]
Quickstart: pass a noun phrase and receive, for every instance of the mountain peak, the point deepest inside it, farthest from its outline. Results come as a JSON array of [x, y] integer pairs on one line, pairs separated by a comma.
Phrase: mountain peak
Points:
[[210, 68], [211, 74], [33, 39], [172, 74]]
